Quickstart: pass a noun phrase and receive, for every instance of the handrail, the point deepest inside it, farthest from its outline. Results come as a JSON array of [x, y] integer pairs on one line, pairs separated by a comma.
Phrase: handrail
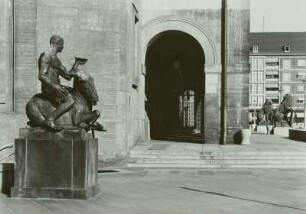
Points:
[[7, 156], [11, 145]]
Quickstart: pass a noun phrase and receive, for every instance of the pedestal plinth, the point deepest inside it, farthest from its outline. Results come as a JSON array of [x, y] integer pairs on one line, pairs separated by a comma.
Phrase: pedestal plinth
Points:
[[55, 165]]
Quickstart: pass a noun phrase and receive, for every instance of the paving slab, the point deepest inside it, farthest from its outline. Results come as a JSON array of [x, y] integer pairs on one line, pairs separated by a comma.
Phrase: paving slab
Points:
[[181, 191]]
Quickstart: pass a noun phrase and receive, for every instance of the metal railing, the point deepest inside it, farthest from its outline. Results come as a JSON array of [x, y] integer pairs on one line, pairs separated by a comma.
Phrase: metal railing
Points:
[[3, 148]]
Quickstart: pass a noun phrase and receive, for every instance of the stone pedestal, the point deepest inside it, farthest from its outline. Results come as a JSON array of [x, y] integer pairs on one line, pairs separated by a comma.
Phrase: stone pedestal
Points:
[[261, 129], [282, 131], [297, 134], [55, 165]]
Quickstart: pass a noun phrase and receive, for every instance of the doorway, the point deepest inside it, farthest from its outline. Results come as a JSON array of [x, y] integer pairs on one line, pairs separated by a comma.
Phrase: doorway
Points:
[[175, 87]]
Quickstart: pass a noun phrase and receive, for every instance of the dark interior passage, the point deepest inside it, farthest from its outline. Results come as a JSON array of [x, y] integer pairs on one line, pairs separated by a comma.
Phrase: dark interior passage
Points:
[[175, 86]]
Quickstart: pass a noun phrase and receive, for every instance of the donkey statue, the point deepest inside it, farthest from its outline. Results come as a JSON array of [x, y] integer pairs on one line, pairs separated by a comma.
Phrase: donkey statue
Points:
[[280, 116], [79, 116]]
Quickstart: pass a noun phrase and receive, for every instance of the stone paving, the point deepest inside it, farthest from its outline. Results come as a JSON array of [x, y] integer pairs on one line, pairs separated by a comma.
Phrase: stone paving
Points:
[[183, 192], [186, 191]]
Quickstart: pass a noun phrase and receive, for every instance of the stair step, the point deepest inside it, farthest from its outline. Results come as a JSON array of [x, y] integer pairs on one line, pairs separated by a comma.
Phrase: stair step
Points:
[[223, 157], [220, 161], [217, 166], [213, 153]]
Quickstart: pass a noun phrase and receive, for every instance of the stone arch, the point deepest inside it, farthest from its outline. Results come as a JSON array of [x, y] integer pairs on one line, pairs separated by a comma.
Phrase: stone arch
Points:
[[211, 66], [157, 26]]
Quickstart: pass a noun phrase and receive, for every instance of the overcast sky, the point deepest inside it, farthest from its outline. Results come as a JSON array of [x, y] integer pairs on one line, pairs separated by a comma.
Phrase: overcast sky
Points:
[[279, 15]]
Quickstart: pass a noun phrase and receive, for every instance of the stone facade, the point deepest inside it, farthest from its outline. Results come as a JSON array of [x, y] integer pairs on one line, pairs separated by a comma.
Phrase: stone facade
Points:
[[114, 35]]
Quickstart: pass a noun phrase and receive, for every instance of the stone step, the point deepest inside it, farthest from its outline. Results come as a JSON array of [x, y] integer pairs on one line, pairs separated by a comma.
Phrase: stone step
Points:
[[217, 166], [220, 161], [215, 153], [217, 157]]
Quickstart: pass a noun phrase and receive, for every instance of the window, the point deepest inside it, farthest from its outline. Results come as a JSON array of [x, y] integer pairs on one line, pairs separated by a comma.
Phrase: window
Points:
[[287, 77], [254, 76], [300, 87], [254, 89], [254, 101], [260, 88], [255, 48], [260, 63], [272, 62], [260, 101], [273, 99], [272, 88], [272, 76], [287, 63], [301, 62], [300, 100], [254, 64], [286, 89], [301, 75], [286, 48], [260, 76]]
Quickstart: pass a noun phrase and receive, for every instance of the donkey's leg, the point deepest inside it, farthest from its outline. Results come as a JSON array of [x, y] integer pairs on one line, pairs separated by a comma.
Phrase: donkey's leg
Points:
[[34, 114], [88, 118]]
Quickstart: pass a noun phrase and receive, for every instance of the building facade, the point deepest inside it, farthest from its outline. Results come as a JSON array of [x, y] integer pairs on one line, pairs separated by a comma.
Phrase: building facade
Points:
[[278, 65], [158, 65]]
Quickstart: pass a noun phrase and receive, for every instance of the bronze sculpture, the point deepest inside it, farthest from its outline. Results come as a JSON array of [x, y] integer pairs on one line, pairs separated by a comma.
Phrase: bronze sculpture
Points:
[[278, 116], [60, 107], [265, 114]]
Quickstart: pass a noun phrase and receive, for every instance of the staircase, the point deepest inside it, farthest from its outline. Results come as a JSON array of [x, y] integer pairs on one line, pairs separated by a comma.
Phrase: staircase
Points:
[[265, 152]]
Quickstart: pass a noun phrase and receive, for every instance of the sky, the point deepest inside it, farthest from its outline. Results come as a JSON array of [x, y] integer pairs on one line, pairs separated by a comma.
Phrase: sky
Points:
[[278, 15]]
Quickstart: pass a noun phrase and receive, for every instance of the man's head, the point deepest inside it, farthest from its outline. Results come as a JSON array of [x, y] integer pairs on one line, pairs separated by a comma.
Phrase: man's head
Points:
[[57, 42]]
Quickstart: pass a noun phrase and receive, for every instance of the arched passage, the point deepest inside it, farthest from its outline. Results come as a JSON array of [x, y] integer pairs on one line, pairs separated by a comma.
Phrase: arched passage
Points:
[[175, 86], [211, 68]]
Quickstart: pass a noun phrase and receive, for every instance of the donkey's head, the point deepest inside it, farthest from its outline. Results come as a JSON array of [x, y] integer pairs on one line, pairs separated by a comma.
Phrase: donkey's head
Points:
[[84, 84]]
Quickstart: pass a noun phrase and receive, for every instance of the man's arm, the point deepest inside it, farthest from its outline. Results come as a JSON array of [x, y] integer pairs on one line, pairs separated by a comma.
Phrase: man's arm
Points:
[[67, 74], [64, 73]]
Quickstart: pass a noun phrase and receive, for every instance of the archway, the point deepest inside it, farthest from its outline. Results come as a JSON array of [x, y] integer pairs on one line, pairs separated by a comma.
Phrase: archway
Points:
[[175, 87]]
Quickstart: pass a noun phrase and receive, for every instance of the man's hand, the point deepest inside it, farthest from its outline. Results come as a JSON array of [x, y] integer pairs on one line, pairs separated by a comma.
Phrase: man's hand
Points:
[[61, 92]]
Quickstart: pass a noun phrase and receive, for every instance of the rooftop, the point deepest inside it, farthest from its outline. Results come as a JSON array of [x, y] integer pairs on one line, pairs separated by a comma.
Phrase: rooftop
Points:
[[272, 43]]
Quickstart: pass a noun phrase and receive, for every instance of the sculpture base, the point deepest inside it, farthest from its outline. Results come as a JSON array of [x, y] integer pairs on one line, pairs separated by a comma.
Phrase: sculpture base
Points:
[[297, 134], [55, 165], [54, 193], [282, 131]]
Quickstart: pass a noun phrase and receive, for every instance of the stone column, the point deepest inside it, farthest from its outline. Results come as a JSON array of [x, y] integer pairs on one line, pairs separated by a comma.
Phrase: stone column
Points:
[[212, 104]]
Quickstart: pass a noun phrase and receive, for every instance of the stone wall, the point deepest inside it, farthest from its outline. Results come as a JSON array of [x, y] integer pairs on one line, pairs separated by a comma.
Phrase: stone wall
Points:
[[104, 32], [238, 67], [109, 34], [20, 82], [207, 14], [135, 80], [6, 55]]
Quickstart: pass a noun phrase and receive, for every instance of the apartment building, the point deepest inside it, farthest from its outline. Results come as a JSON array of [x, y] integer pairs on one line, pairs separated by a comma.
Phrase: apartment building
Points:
[[278, 65]]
